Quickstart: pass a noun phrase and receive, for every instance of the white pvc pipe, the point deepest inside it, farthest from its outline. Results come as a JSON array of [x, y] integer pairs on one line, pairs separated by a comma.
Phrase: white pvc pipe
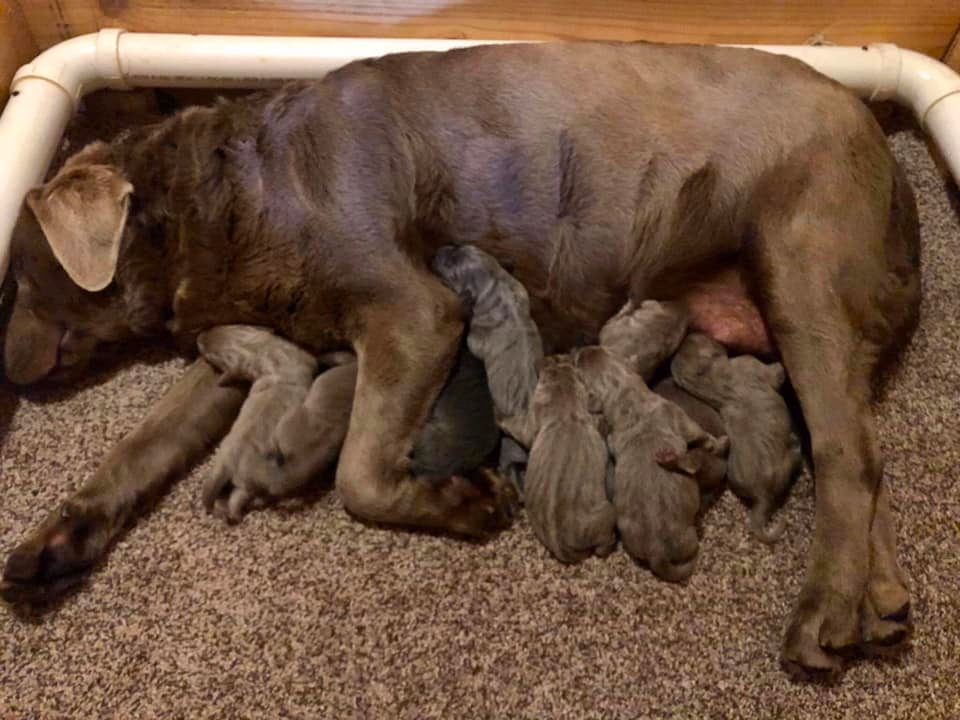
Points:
[[44, 92]]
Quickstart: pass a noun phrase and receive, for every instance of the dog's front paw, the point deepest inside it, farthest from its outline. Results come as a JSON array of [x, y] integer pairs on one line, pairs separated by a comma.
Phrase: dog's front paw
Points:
[[823, 624], [56, 555], [484, 504], [886, 624]]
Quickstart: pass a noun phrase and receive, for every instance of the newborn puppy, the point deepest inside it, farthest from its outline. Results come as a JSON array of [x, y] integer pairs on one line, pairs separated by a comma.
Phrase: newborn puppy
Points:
[[714, 469], [564, 487], [644, 337], [246, 461], [291, 430], [659, 453], [764, 451], [501, 333]]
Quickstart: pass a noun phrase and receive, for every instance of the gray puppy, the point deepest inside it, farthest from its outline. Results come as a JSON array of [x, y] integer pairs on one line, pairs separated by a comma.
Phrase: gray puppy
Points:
[[502, 333], [293, 426], [644, 337], [765, 453], [714, 470], [281, 375], [565, 489], [659, 453]]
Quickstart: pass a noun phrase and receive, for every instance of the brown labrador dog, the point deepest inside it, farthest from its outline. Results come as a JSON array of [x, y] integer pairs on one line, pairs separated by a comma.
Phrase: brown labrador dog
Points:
[[600, 172]]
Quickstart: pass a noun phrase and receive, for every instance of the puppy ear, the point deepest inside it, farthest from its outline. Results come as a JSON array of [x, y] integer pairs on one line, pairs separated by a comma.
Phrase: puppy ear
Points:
[[82, 212], [688, 463]]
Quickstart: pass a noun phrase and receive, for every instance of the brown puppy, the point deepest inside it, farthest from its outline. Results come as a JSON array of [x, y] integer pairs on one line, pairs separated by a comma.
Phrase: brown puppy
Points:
[[316, 209], [659, 453], [565, 485], [764, 451], [292, 426], [644, 337]]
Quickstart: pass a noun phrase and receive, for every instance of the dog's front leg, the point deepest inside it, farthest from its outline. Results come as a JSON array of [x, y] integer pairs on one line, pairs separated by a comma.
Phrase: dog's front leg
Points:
[[193, 414], [405, 348]]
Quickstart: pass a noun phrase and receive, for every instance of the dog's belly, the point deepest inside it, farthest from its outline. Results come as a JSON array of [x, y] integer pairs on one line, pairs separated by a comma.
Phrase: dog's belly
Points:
[[721, 308]]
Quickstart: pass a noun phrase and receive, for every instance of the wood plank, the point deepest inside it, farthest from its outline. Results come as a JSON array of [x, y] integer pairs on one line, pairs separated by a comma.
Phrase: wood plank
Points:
[[924, 25], [952, 56], [16, 44]]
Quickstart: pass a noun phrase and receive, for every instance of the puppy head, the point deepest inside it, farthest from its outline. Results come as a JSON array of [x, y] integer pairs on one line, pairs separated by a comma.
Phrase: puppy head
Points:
[[65, 252], [696, 355], [467, 270], [653, 328], [751, 369], [560, 392], [604, 375]]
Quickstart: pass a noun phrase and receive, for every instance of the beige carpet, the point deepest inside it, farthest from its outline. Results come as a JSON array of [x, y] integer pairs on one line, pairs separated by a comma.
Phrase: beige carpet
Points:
[[301, 612]]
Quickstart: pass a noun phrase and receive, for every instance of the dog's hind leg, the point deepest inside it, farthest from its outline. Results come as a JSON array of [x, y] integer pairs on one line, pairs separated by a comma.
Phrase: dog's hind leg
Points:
[[405, 348], [193, 415], [830, 321]]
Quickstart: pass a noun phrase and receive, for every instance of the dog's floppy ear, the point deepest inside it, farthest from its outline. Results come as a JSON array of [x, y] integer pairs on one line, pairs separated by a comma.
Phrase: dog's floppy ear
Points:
[[82, 212]]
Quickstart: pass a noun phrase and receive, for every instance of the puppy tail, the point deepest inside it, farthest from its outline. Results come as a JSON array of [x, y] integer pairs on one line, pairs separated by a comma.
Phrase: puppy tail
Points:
[[760, 526]]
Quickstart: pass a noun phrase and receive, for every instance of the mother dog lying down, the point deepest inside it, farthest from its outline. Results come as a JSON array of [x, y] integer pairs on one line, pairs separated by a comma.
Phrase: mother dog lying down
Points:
[[598, 172]]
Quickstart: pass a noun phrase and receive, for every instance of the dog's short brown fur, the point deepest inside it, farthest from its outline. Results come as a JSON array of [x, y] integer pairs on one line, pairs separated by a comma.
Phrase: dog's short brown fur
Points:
[[659, 453], [764, 451], [600, 172]]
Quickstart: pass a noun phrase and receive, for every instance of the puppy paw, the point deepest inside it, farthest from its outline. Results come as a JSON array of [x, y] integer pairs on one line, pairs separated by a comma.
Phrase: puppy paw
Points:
[[243, 478], [56, 555]]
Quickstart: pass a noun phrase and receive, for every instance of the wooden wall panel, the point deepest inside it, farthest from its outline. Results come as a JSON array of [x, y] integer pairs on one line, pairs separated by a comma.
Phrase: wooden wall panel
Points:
[[925, 25], [952, 56], [16, 44]]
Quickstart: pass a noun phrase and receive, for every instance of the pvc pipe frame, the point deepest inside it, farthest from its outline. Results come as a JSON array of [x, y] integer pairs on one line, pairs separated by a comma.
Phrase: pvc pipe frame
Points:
[[44, 93]]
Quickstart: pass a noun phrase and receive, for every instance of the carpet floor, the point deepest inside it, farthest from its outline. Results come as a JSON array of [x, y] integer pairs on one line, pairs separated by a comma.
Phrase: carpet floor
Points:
[[301, 612]]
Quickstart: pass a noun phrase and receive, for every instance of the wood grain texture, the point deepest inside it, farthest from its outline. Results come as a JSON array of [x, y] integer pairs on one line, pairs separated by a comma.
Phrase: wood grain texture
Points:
[[924, 25], [952, 56], [16, 44]]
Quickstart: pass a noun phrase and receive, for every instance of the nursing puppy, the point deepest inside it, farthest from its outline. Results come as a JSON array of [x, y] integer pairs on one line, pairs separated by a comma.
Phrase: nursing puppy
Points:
[[292, 427], [765, 453], [503, 335], [565, 485], [644, 336], [280, 374], [659, 452], [713, 474], [316, 209]]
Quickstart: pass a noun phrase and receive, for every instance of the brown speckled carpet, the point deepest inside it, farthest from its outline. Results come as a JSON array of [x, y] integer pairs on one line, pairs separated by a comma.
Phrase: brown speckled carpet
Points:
[[302, 612]]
